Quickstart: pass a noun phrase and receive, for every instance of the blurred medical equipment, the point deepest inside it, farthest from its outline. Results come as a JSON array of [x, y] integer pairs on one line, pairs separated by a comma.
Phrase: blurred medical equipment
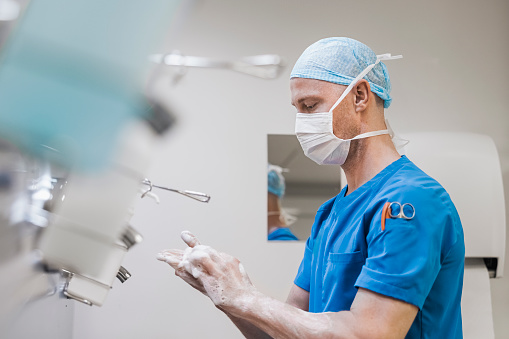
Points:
[[76, 136], [468, 166], [10, 12], [77, 132], [267, 66]]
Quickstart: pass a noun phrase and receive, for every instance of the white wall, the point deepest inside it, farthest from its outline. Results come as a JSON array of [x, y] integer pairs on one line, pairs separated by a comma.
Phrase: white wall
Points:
[[453, 77]]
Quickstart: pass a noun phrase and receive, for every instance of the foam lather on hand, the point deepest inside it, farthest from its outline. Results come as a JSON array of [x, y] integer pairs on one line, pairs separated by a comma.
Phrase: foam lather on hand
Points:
[[193, 254], [169, 259]]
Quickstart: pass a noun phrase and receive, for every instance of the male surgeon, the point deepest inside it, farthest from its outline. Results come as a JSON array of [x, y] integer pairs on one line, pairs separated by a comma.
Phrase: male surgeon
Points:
[[385, 257]]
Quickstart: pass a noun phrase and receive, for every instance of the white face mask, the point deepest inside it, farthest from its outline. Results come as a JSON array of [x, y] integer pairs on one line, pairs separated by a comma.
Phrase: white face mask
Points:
[[315, 130]]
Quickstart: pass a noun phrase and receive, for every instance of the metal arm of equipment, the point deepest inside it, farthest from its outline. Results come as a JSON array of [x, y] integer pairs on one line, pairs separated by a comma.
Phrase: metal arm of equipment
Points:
[[266, 66]]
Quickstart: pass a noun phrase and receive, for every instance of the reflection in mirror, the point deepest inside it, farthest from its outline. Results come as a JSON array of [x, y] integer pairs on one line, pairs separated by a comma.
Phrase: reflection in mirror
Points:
[[297, 187]]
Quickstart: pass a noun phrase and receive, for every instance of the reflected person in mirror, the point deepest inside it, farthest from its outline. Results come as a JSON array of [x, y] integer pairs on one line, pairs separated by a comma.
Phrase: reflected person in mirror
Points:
[[277, 227], [367, 272]]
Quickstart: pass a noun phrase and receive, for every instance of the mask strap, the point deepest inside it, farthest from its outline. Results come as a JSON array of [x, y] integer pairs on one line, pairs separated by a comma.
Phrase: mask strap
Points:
[[389, 128], [399, 142], [379, 58], [371, 134]]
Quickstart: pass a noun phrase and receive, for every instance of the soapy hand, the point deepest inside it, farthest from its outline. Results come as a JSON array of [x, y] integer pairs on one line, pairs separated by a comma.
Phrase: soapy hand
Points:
[[218, 275]]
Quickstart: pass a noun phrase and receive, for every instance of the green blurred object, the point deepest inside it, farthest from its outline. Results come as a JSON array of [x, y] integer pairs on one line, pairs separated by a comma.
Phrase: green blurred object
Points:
[[71, 76]]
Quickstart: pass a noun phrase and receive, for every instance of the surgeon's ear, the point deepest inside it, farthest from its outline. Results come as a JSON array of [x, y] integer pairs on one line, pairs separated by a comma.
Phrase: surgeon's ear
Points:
[[361, 91]]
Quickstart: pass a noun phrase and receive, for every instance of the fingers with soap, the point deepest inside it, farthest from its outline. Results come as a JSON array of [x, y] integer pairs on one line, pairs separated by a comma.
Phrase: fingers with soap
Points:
[[190, 239], [170, 257]]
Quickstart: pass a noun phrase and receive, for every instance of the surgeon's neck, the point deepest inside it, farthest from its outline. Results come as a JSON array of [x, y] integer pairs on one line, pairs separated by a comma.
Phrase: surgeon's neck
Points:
[[367, 158]]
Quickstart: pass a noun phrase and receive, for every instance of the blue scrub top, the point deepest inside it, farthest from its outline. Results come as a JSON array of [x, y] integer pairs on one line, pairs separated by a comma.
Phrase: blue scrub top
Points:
[[419, 261], [282, 233]]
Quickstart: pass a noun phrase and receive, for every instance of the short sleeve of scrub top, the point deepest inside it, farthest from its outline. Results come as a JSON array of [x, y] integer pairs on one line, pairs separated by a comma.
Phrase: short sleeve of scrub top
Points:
[[303, 274], [405, 257]]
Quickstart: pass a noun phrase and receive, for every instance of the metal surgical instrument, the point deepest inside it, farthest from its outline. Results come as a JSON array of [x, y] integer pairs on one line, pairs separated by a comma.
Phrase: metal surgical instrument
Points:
[[401, 208], [201, 197]]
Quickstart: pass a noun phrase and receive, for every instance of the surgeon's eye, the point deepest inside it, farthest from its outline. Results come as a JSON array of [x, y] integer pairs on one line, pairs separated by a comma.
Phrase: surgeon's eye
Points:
[[309, 107]]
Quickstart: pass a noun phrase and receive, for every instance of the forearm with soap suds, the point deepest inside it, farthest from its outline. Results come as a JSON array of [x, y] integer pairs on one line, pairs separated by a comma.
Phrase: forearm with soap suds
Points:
[[280, 320], [249, 330]]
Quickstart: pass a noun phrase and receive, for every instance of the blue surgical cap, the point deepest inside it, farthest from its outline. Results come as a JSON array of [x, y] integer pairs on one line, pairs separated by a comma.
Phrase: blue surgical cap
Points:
[[340, 60], [276, 184]]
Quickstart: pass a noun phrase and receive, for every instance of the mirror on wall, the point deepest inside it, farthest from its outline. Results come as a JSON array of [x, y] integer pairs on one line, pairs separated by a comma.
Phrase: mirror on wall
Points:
[[297, 187]]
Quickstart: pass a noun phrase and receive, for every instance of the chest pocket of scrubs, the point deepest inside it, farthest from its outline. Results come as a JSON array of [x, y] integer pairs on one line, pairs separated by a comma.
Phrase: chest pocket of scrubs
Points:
[[339, 279]]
